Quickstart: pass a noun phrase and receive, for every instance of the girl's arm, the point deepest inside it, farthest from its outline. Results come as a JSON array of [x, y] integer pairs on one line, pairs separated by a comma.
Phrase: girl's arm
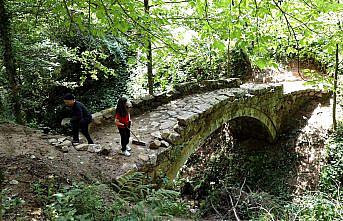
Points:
[[118, 123]]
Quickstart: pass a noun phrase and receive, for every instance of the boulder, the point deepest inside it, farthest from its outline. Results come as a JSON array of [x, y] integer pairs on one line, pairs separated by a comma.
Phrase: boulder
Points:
[[97, 118]]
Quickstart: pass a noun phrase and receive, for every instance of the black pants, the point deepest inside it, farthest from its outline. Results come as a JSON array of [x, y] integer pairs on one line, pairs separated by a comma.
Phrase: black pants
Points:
[[124, 137], [83, 126]]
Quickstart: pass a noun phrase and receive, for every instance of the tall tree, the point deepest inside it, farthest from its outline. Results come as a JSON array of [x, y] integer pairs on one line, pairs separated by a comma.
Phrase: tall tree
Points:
[[335, 91], [149, 55], [335, 82], [9, 60]]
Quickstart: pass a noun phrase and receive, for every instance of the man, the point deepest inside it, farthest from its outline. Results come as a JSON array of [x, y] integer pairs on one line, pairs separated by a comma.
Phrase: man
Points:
[[80, 120]]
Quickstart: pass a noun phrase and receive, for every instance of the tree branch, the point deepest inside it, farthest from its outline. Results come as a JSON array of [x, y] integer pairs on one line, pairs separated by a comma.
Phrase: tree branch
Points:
[[145, 29], [169, 3], [303, 24], [291, 30], [77, 28], [206, 14], [258, 24], [191, 18], [311, 6], [234, 209], [111, 21], [219, 214]]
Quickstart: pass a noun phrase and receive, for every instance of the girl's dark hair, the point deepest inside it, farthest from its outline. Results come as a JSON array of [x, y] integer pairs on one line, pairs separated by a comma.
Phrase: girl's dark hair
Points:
[[121, 107]]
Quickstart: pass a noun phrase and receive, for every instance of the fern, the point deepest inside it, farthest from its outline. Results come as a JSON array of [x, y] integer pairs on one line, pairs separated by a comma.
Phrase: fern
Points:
[[128, 198]]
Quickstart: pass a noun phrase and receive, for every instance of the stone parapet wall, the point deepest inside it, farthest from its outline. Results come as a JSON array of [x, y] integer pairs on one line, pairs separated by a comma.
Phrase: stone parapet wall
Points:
[[150, 102], [102, 117], [292, 102]]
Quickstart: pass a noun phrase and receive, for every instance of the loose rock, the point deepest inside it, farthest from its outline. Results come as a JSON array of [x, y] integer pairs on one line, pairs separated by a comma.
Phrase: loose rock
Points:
[[144, 157], [62, 139], [128, 166], [65, 149], [14, 182], [155, 144], [65, 143], [81, 147], [164, 143], [52, 141], [94, 148]]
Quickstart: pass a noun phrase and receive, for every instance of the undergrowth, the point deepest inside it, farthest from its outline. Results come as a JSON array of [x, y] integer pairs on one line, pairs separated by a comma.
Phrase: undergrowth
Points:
[[128, 198], [227, 191]]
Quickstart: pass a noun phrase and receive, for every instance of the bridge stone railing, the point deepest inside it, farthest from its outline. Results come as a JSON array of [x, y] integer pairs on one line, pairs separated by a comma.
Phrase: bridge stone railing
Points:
[[150, 102]]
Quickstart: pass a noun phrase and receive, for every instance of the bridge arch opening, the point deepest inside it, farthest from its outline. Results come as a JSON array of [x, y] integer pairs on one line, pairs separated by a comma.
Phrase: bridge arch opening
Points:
[[244, 127], [244, 130], [244, 119]]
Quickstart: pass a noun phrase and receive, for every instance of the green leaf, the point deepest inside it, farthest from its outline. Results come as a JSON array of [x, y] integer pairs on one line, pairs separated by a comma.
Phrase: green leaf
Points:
[[261, 63], [236, 34], [219, 45]]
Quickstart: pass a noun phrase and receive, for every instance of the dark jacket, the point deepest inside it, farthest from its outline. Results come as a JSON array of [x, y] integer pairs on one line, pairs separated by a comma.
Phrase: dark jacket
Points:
[[80, 112]]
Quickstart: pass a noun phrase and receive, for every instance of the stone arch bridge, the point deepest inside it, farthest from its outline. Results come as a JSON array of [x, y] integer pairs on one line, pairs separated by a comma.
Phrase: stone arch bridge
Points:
[[176, 124]]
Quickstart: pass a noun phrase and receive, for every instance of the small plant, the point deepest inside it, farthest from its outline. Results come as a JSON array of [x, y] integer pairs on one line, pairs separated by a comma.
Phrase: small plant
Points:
[[310, 206], [44, 189], [9, 203], [332, 174]]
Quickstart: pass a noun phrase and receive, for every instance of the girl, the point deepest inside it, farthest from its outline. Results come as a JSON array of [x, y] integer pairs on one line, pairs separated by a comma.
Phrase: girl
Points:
[[123, 122]]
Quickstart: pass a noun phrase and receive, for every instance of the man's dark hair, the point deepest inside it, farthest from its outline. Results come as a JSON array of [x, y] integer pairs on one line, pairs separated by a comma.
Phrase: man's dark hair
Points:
[[68, 96]]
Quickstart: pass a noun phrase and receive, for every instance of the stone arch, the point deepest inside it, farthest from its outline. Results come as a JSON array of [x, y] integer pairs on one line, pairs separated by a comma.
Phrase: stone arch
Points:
[[260, 116], [181, 152]]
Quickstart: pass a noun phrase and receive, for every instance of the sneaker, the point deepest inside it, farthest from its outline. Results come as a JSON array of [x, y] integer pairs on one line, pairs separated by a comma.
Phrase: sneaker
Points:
[[75, 142], [128, 148], [126, 153]]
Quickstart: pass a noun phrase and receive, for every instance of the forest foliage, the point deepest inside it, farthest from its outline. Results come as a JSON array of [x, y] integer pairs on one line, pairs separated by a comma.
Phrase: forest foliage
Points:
[[94, 48]]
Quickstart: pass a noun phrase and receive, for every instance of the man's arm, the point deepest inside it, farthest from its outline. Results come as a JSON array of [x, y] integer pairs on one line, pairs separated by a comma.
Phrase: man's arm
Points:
[[77, 113]]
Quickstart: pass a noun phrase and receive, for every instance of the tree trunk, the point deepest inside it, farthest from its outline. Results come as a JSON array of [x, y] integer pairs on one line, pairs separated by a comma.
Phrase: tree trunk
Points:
[[149, 56], [9, 60], [335, 91], [228, 65]]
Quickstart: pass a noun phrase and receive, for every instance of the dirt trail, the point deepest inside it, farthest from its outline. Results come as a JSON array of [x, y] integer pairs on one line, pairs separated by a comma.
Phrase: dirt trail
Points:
[[26, 158]]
